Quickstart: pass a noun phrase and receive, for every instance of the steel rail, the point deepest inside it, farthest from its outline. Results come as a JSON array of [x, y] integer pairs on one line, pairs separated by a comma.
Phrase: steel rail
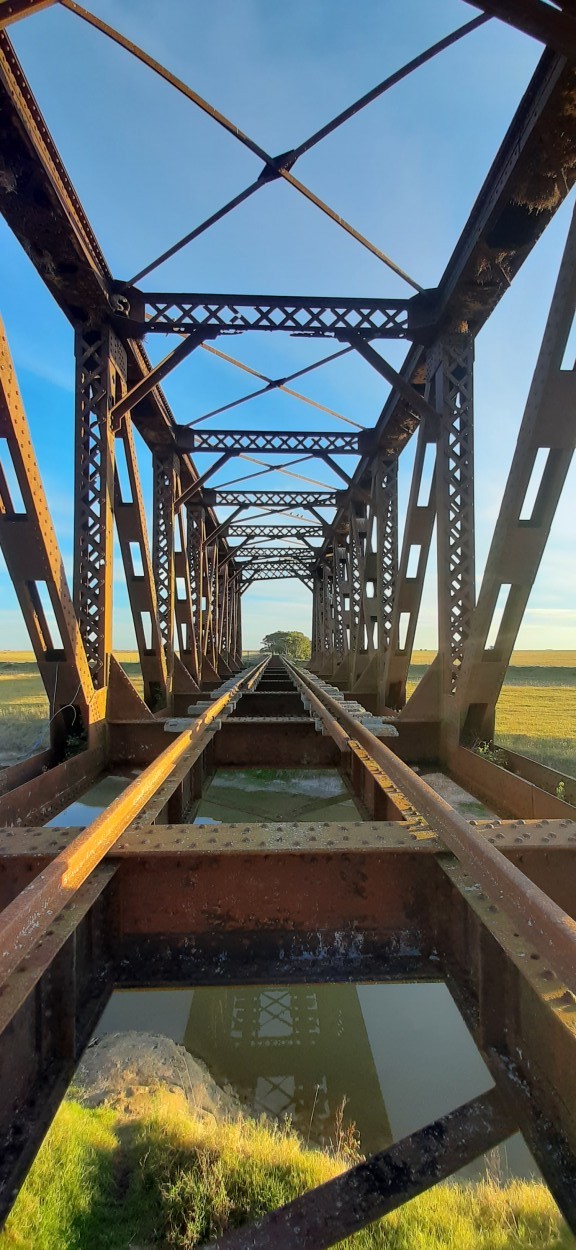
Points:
[[549, 929], [335, 730], [27, 918]]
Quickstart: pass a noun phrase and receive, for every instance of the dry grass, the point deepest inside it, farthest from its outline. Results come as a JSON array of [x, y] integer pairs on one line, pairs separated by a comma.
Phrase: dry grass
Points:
[[520, 659], [170, 1179]]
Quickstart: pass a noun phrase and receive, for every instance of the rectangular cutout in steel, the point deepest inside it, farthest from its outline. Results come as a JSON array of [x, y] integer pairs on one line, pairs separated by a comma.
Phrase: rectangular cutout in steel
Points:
[[124, 483], [403, 630], [426, 480], [13, 503], [528, 509], [413, 560], [497, 615], [136, 558]]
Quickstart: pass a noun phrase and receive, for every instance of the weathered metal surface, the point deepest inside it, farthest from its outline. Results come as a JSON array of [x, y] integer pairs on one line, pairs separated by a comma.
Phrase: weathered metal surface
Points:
[[30, 548], [45, 793], [184, 904], [168, 313], [541, 921], [48, 1012], [522, 1018], [507, 792], [537, 18], [281, 743], [343, 1206], [25, 920]]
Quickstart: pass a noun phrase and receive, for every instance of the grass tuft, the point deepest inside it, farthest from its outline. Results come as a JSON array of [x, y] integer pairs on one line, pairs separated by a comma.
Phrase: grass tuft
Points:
[[172, 1180]]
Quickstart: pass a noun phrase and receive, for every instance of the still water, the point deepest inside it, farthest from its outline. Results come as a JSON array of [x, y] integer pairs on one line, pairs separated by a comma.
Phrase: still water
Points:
[[399, 1055]]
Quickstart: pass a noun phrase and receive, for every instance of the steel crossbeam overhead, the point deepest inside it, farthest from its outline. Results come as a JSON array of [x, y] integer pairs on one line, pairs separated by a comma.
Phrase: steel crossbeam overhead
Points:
[[275, 569], [271, 498], [551, 24], [145, 312], [278, 442], [272, 533]]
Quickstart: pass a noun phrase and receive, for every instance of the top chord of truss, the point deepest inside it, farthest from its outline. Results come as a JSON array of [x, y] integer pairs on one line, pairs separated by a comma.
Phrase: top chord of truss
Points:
[[168, 313], [272, 441]]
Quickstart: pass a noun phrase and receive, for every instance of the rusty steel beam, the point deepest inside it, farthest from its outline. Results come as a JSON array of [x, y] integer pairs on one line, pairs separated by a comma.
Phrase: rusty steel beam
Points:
[[14, 10], [276, 442], [341, 1207], [145, 312], [25, 920], [551, 25], [531, 176], [273, 533], [132, 531], [156, 375], [30, 547], [545, 925], [40, 204], [548, 430], [271, 498]]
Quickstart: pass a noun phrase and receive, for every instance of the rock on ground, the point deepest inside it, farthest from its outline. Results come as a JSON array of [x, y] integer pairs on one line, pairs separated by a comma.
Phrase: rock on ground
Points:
[[123, 1070]]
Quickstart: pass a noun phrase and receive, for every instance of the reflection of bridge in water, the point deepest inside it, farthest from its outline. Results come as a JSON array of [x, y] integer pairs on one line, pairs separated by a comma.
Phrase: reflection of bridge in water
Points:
[[293, 1051]]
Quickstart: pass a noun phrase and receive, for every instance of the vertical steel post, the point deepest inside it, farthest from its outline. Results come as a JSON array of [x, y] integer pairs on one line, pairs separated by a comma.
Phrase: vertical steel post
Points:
[[541, 461], [183, 609], [133, 537], [165, 475], [30, 547], [452, 364], [417, 537], [100, 377]]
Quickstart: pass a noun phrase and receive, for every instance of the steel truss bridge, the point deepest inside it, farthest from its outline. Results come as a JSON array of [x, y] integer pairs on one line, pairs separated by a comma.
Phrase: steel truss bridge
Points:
[[143, 897]]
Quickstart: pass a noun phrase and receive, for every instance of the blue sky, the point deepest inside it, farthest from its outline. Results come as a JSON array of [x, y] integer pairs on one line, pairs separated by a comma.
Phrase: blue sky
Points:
[[149, 166]]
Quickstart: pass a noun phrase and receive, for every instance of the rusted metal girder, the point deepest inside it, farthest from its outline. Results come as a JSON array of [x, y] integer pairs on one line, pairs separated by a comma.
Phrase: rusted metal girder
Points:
[[553, 25], [273, 533], [276, 499], [545, 925], [30, 548], [132, 530], [541, 461], [30, 915], [14, 10], [144, 312], [531, 176], [343, 1206], [276, 442], [40, 204]]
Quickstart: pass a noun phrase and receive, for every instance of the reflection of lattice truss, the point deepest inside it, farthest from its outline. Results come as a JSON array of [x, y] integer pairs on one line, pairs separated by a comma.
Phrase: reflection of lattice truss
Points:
[[275, 1015]]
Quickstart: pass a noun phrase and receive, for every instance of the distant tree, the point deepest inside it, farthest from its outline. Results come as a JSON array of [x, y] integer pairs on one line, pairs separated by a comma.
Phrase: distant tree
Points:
[[288, 642]]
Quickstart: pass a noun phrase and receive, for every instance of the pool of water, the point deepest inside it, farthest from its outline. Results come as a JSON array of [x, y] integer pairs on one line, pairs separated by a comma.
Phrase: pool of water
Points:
[[398, 1056], [259, 794], [395, 1056], [93, 802]]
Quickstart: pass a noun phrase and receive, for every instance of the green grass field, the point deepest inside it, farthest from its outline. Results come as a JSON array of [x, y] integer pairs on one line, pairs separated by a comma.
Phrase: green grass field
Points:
[[536, 713], [170, 1179]]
